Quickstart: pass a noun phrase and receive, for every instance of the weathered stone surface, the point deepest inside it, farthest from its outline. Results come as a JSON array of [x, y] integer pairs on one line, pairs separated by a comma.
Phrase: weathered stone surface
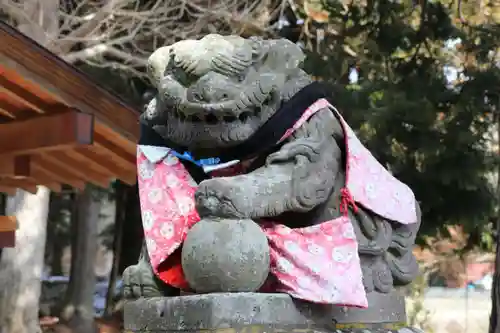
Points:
[[204, 86], [261, 312], [225, 254], [214, 95]]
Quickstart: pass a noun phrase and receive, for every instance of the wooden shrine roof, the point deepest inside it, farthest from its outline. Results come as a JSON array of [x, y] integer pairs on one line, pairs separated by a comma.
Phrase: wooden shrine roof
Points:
[[56, 125]]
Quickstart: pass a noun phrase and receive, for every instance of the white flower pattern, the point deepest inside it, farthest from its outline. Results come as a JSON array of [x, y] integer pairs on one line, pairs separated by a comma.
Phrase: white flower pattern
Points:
[[372, 185], [342, 254], [172, 181], [170, 160], [151, 245], [315, 266], [292, 247], [146, 169], [370, 190], [155, 196], [348, 231], [167, 230], [284, 266], [283, 230], [304, 282], [185, 204], [315, 249], [311, 230], [147, 220]]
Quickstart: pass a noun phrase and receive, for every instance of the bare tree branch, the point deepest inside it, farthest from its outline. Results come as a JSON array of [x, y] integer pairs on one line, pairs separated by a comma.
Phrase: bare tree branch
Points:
[[15, 11], [123, 33], [102, 49]]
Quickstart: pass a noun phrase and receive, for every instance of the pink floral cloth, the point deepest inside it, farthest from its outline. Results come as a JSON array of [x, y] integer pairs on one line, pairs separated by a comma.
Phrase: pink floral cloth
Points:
[[318, 263], [372, 186]]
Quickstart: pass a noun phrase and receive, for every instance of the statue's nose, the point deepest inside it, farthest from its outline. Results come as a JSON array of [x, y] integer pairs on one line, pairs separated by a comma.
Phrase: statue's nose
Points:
[[212, 87]]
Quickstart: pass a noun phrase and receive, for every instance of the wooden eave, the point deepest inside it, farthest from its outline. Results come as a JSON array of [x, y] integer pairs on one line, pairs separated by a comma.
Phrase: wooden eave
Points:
[[56, 125]]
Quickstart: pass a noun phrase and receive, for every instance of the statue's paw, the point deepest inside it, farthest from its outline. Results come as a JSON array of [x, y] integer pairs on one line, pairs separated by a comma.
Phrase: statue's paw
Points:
[[139, 281], [219, 197]]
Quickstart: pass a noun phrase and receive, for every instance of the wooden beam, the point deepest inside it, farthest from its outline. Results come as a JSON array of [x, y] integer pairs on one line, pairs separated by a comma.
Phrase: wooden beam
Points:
[[8, 226], [19, 110], [109, 165], [58, 173], [36, 64], [25, 184], [8, 223], [75, 167], [15, 166], [25, 97], [6, 106], [40, 177], [129, 146], [68, 129], [7, 190], [7, 239], [115, 152], [6, 113]]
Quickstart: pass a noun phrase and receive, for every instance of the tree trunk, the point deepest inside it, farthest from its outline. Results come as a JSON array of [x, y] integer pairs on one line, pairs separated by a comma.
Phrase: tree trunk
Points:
[[132, 239], [56, 258], [495, 292], [21, 267], [120, 201], [78, 311]]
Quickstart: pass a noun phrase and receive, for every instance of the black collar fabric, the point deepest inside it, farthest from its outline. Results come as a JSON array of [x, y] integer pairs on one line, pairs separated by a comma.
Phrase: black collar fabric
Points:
[[265, 139]]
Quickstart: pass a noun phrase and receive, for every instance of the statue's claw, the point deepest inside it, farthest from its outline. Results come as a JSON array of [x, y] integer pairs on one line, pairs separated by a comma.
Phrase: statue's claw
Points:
[[219, 197], [140, 281]]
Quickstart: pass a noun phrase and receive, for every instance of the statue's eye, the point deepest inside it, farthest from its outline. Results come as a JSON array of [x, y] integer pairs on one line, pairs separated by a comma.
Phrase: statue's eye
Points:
[[171, 63], [180, 74], [241, 76], [184, 78]]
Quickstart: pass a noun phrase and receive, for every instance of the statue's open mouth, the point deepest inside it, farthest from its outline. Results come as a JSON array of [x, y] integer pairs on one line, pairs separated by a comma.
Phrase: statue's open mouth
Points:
[[217, 118], [243, 106]]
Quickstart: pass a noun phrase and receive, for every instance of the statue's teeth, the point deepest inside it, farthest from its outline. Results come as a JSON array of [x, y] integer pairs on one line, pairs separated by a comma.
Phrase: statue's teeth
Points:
[[244, 116], [211, 119], [229, 118], [194, 119]]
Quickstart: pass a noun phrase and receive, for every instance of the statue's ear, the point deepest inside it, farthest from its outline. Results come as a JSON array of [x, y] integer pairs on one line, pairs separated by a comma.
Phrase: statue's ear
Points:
[[284, 56], [157, 63]]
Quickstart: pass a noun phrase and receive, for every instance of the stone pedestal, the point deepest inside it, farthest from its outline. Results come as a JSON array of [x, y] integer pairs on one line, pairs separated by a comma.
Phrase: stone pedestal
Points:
[[263, 313]]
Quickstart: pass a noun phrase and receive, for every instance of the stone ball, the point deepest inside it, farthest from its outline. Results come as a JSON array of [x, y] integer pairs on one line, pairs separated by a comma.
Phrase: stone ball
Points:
[[225, 255]]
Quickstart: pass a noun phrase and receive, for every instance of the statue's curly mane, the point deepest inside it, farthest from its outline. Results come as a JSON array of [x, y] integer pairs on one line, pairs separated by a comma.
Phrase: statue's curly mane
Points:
[[385, 250]]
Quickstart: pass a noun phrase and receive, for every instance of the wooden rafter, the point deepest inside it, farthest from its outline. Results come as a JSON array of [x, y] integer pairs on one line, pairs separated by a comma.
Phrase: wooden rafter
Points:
[[13, 111], [21, 95], [75, 167], [8, 226], [5, 112], [108, 164], [57, 126], [13, 166], [128, 146], [63, 82], [8, 223], [41, 177], [58, 172], [26, 184], [118, 155], [58, 131], [8, 190]]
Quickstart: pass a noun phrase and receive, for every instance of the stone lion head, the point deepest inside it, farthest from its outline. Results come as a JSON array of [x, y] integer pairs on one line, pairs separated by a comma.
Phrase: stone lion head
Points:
[[217, 91]]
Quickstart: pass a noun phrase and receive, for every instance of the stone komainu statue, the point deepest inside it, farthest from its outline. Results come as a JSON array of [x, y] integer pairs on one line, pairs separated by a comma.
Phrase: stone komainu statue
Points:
[[251, 181]]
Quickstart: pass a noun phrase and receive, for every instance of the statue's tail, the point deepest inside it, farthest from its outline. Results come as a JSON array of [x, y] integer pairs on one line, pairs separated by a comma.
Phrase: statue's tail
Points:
[[386, 251]]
